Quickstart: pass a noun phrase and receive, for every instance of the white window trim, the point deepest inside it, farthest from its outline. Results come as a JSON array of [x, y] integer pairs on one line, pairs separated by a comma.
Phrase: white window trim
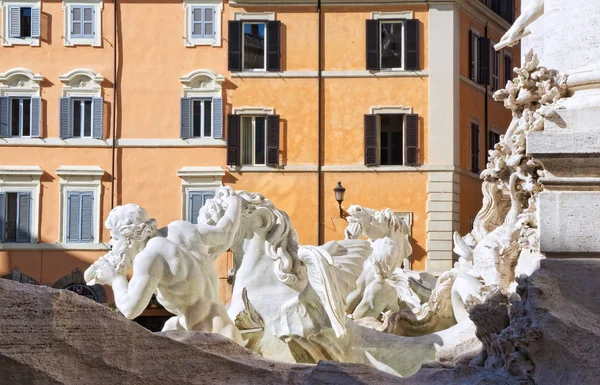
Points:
[[476, 58], [264, 69], [392, 15], [202, 83], [254, 111], [10, 41], [79, 179], [196, 179], [81, 118], [388, 110], [20, 82], [96, 41], [82, 82], [254, 16], [190, 41], [407, 216], [24, 179]]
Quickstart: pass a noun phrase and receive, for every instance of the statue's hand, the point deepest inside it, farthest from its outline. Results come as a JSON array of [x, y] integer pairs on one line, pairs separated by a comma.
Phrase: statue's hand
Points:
[[100, 274]]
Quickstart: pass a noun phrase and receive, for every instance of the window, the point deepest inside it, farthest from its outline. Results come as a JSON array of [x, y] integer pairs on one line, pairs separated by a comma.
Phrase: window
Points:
[[197, 199], [80, 216], [254, 46], [254, 144], [202, 22], [254, 39], [21, 23], [15, 217], [474, 147], [495, 64], [20, 116], [202, 105], [253, 140], [493, 139], [201, 118], [82, 118], [391, 139], [479, 58], [83, 22], [508, 67], [392, 44], [474, 56]]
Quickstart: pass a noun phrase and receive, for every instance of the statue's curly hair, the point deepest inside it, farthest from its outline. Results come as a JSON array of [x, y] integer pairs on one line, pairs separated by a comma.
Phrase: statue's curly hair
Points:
[[132, 222]]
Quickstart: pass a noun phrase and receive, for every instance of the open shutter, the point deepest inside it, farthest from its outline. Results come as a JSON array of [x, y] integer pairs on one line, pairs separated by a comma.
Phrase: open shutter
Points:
[[36, 104], [35, 22], [412, 139], [411, 44], [484, 61], [185, 127], [372, 45], [234, 56], [73, 215], [87, 217], [233, 140], [65, 117], [23, 217], [474, 148], [2, 215], [195, 203], [15, 21], [370, 140], [98, 118], [4, 111], [273, 140], [274, 45], [471, 58], [217, 113]]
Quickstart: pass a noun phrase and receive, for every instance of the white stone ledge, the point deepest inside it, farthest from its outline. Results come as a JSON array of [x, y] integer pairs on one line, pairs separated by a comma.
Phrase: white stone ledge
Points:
[[444, 197], [439, 255], [374, 74], [53, 246], [280, 74], [440, 235], [437, 245], [281, 169], [362, 168], [436, 267], [439, 226], [121, 143]]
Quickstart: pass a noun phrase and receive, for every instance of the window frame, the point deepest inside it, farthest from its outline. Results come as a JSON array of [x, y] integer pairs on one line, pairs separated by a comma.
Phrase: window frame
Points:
[[17, 219], [495, 68], [253, 140], [379, 148], [95, 39], [474, 64], [10, 116], [508, 71], [402, 22], [202, 101], [80, 224], [190, 192], [472, 154], [202, 22], [9, 40], [263, 22], [493, 131], [24, 179], [191, 40], [82, 100]]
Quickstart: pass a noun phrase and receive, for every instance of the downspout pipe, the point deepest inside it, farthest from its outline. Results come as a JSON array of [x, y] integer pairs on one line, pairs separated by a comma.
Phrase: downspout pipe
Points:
[[114, 114], [485, 104], [320, 199]]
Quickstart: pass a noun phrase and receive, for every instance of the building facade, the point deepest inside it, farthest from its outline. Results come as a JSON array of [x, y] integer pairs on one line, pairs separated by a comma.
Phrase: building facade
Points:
[[107, 103]]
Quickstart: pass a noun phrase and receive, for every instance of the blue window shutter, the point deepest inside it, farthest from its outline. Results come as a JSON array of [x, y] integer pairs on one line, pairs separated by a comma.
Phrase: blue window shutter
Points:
[[36, 116], [209, 10], [217, 113], [73, 211], [196, 201], [76, 21], [98, 110], [87, 217], [65, 117], [197, 21], [35, 22], [23, 217], [15, 22], [2, 215], [186, 118], [207, 196], [4, 112]]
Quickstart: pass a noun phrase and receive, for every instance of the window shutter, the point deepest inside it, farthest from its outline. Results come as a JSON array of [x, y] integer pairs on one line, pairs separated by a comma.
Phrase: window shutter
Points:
[[234, 56], [471, 58], [2, 215], [65, 117], [86, 217], [412, 139], [195, 203], [35, 22], [15, 22], [23, 217], [411, 44], [185, 127], [474, 147], [233, 140], [371, 140], [274, 46], [373, 37], [73, 211], [36, 117], [4, 112], [273, 140], [98, 112], [484, 61], [217, 113]]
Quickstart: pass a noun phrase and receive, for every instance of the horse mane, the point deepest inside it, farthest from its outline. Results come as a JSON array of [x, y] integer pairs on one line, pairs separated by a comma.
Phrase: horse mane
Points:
[[281, 237]]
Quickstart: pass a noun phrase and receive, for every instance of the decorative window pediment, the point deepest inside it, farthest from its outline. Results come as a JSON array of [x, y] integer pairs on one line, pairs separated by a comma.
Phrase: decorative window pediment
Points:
[[82, 81], [202, 83], [20, 81]]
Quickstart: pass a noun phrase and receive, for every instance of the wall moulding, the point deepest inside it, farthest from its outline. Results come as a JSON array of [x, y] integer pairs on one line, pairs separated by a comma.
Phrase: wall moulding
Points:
[[20, 81]]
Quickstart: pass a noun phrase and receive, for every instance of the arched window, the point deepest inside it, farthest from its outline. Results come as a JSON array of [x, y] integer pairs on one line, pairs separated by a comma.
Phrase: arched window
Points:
[[74, 282], [17, 276]]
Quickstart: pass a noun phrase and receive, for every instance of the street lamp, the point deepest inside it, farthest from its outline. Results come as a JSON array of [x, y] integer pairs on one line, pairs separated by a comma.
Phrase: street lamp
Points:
[[339, 191]]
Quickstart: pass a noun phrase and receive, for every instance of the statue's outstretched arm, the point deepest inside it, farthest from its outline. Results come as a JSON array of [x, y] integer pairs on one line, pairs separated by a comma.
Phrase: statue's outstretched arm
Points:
[[132, 297], [518, 29], [223, 233]]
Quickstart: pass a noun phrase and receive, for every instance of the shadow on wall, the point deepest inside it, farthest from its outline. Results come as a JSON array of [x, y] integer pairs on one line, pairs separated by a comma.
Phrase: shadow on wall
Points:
[[46, 27]]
